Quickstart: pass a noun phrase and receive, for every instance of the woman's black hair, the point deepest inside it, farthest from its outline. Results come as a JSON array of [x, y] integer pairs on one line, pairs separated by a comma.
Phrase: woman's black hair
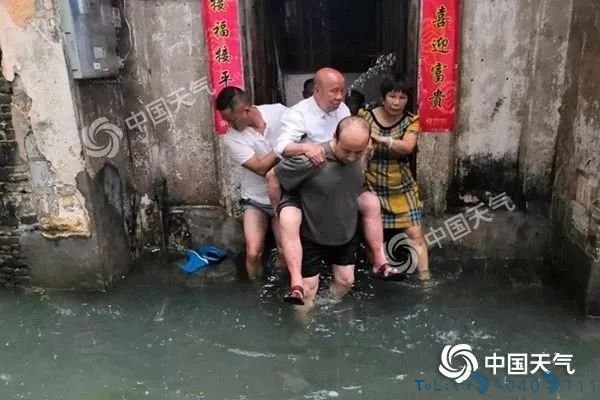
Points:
[[395, 83]]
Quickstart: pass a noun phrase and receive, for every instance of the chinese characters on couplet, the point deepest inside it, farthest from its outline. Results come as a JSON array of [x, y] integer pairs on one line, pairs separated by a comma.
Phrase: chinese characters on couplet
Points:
[[439, 45], [224, 48], [437, 76]]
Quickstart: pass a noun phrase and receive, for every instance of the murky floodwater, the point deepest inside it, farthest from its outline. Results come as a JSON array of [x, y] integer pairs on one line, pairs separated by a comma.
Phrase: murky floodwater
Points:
[[148, 340]]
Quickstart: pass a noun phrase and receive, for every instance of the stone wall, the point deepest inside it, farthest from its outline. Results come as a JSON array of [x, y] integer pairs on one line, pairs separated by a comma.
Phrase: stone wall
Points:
[[576, 200], [16, 211]]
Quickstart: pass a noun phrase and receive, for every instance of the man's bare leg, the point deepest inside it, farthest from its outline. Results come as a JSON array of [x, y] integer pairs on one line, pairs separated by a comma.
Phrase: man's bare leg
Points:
[[280, 263], [343, 280], [255, 230], [415, 233], [370, 211], [290, 219]]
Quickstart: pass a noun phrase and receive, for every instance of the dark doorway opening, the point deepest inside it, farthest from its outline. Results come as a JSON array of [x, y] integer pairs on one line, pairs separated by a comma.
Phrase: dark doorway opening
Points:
[[294, 38]]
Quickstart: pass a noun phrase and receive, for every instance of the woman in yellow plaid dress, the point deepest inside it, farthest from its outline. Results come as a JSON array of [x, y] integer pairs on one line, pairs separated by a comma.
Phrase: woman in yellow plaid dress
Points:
[[394, 131]]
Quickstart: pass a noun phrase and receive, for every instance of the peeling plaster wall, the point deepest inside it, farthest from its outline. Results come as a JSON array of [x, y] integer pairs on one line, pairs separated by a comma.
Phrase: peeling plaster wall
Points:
[[124, 203], [79, 240], [32, 51]]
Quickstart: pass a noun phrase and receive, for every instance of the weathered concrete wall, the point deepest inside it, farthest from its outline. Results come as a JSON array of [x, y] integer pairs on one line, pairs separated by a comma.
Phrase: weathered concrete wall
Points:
[[511, 82], [435, 166], [576, 201], [546, 75], [169, 54], [66, 251], [178, 163], [25, 34], [107, 181]]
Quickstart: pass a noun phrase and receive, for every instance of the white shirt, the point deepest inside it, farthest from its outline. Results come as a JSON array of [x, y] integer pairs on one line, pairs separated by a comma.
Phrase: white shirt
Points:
[[307, 118], [243, 145]]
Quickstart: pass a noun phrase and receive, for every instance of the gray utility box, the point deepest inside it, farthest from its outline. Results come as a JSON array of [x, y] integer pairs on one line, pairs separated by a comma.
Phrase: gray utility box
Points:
[[90, 35]]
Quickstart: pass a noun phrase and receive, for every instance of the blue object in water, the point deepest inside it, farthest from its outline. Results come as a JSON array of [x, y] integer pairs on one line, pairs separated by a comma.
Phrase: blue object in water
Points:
[[211, 253], [193, 262], [204, 256]]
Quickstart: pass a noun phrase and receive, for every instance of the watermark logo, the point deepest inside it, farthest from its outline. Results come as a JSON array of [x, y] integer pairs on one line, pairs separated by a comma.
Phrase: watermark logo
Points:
[[163, 110], [400, 244], [468, 360], [101, 126], [159, 111], [513, 363]]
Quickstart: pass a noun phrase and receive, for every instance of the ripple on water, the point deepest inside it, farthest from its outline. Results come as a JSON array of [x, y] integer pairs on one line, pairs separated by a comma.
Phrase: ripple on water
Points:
[[322, 395], [252, 354], [160, 314], [481, 335], [449, 337], [6, 378], [63, 311]]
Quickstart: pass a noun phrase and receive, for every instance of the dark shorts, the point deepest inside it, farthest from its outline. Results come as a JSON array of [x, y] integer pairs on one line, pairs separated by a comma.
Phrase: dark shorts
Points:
[[246, 204], [316, 256], [288, 199]]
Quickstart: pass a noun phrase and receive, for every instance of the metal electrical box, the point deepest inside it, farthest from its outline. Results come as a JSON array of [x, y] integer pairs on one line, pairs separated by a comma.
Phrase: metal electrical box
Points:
[[89, 31]]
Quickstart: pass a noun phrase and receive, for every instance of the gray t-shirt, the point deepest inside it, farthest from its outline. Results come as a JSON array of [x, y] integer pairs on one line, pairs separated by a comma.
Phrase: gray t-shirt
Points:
[[328, 196]]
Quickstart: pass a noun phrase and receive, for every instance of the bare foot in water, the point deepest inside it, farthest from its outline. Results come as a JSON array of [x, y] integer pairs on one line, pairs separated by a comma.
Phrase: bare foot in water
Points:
[[305, 313], [424, 276]]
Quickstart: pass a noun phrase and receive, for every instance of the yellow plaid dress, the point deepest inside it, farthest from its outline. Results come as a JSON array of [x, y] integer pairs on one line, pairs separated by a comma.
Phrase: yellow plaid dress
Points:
[[389, 176]]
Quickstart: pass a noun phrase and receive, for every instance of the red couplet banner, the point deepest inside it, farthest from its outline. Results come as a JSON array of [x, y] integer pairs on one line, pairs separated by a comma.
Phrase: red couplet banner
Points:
[[223, 42], [438, 65]]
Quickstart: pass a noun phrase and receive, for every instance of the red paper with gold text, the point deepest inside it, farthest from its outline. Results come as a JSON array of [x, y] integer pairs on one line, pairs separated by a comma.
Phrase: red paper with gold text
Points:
[[438, 65], [223, 42]]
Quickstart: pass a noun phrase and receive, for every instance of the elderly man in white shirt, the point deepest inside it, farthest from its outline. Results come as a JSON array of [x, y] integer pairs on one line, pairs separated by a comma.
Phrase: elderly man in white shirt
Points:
[[253, 133], [304, 126]]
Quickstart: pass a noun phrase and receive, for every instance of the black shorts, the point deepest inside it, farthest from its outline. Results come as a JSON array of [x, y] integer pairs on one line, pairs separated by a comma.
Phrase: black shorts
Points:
[[316, 256], [288, 199]]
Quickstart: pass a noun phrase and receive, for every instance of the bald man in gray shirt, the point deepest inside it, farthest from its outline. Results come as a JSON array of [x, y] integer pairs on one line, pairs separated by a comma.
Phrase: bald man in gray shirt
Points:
[[329, 201]]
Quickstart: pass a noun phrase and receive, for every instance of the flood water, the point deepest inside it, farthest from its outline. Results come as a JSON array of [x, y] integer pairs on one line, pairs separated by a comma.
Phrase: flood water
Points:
[[151, 339]]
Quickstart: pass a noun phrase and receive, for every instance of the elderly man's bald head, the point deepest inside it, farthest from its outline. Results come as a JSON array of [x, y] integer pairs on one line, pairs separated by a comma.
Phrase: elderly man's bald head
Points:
[[351, 139], [355, 127], [329, 89], [325, 75]]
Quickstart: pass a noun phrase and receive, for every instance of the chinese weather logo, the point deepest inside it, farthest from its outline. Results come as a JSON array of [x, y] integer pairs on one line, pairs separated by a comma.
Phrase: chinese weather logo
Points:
[[401, 243], [113, 134], [452, 355]]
